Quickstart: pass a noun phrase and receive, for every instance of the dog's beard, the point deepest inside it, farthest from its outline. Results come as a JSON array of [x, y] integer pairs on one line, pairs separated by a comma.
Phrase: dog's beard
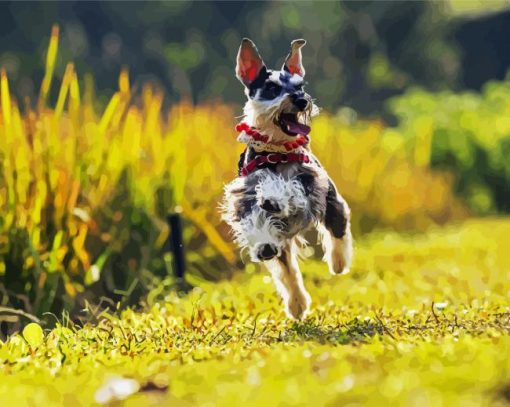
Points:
[[265, 116]]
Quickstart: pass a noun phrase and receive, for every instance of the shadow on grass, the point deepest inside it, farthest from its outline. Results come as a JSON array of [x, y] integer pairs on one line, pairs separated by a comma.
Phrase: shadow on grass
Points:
[[354, 331]]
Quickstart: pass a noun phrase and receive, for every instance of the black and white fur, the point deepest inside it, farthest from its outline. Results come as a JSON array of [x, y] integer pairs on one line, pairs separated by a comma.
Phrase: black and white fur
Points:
[[270, 208]]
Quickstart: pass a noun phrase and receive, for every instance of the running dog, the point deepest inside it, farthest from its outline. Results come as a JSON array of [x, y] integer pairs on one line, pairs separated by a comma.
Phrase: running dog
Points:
[[281, 189]]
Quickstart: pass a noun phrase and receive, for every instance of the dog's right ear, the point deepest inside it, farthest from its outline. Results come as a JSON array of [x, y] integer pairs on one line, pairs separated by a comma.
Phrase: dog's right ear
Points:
[[249, 62]]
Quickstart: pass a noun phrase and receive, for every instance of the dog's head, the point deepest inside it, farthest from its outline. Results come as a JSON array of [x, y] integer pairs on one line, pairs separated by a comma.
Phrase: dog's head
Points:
[[277, 103]]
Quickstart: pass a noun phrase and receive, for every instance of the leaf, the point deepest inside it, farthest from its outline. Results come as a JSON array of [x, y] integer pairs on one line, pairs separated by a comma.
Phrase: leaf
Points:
[[33, 334]]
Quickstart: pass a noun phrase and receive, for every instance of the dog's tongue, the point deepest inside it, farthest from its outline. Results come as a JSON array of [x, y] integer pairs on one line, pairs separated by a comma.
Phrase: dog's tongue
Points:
[[299, 128], [295, 127]]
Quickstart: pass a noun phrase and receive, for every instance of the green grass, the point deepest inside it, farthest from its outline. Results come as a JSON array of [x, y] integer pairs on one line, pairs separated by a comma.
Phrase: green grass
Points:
[[420, 320]]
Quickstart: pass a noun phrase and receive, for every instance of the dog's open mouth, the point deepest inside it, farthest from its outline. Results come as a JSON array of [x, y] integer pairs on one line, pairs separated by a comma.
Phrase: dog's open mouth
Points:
[[290, 125]]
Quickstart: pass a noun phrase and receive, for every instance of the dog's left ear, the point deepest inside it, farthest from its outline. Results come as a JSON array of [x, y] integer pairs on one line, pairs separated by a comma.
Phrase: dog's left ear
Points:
[[293, 63]]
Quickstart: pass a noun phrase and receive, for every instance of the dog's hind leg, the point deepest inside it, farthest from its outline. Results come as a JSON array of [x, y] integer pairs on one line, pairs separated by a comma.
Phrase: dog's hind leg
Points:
[[289, 282], [336, 233]]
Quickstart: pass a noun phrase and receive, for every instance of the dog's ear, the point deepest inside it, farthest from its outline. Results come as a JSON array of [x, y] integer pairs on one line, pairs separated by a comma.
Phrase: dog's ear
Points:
[[249, 62], [293, 63]]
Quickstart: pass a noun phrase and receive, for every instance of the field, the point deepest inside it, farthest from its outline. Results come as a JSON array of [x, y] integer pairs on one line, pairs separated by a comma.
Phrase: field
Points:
[[422, 319]]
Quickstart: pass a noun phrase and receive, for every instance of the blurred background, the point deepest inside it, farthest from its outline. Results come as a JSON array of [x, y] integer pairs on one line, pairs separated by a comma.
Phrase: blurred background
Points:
[[358, 54], [106, 116]]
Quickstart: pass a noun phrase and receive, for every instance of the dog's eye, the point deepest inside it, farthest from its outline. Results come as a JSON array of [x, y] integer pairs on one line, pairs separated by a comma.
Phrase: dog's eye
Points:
[[271, 90]]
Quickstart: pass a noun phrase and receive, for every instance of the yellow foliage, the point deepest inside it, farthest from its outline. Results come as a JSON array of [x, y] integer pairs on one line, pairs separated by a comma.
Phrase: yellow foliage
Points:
[[51, 58]]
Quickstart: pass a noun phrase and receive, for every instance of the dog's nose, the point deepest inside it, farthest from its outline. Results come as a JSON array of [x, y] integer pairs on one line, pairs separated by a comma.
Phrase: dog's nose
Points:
[[268, 251], [300, 103]]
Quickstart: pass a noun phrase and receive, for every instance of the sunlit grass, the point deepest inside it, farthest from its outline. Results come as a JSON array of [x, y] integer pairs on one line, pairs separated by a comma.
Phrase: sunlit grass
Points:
[[420, 320]]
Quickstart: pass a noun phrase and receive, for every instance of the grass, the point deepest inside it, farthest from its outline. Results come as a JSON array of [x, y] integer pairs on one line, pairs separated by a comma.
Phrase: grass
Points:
[[420, 320]]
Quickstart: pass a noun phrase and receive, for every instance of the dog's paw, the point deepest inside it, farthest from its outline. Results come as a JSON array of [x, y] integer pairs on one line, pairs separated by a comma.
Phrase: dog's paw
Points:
[[266, 251], [271, 206], [339, 271], [338, 267], [298, 306], [340, 258]]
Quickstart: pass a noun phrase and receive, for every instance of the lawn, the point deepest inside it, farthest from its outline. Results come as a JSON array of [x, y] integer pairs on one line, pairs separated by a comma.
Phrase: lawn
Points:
[[420, 320]]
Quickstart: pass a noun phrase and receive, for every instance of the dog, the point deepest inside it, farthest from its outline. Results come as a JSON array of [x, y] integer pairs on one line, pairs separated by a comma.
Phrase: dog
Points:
[[281, 189]]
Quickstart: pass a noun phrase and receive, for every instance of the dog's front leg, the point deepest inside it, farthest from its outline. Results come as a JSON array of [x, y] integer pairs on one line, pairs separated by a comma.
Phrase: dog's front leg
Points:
[[289, 282], [336, 233]]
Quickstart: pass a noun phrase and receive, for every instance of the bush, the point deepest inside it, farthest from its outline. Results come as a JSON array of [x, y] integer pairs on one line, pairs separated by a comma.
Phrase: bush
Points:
[[466, 134]]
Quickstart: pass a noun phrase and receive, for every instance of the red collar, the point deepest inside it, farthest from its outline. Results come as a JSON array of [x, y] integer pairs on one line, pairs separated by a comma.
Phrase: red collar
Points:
[[250, 131], [273, 158], [299, 140]]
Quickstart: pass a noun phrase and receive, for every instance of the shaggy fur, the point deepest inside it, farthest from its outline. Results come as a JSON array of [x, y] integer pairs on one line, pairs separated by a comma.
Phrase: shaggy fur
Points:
[[270, 208]]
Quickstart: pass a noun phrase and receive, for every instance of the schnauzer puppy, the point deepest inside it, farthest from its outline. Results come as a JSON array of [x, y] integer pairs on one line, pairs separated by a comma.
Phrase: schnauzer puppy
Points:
[[282, 189]]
